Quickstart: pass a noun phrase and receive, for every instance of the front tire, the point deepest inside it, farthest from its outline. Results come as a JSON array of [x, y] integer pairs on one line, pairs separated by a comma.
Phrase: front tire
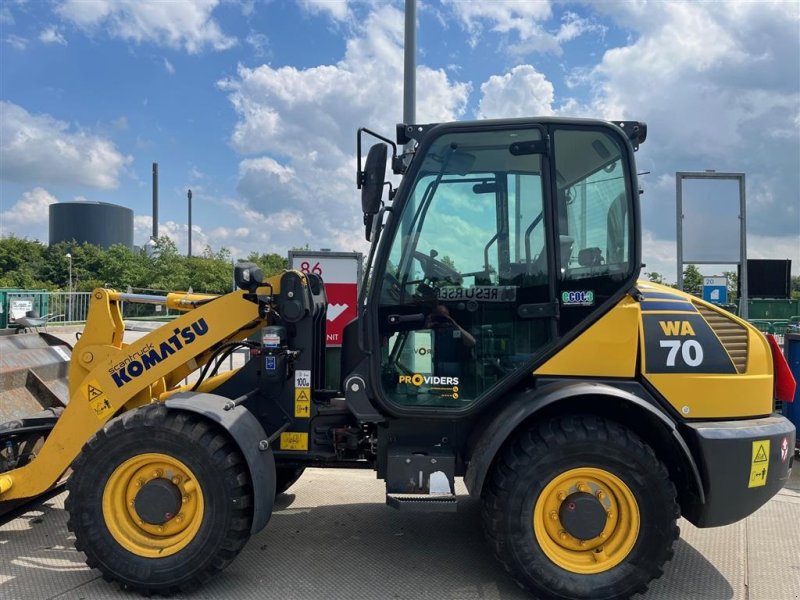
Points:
[[580, 508], [160, 500]]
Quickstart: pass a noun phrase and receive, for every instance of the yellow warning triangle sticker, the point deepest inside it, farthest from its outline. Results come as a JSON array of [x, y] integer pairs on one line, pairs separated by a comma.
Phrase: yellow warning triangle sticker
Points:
[[94, 392], [761, 456], [302, 396]]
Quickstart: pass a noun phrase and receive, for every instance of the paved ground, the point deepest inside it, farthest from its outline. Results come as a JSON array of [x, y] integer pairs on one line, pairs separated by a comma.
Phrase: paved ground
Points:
[[332, 537]]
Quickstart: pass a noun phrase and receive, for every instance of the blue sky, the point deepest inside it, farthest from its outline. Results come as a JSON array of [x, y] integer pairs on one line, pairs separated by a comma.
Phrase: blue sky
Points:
[[254, 104]]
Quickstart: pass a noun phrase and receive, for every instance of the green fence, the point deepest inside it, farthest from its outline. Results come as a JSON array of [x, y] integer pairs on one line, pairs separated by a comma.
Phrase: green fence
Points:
[[16, 302], [773, 310], [778, 327]]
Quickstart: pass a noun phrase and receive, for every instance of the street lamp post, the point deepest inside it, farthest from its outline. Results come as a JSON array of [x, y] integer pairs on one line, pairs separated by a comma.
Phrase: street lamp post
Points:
[[69, 298], [189, 195]]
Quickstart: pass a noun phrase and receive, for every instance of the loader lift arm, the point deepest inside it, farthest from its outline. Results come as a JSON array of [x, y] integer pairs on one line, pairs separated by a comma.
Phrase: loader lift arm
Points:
[[108, 376]]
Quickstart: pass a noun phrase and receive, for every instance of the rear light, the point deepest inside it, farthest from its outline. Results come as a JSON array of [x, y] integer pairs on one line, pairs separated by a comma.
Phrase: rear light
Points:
[[785, 384]]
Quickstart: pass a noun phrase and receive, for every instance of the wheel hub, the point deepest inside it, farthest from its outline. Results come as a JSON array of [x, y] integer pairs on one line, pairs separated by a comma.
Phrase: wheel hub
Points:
[[158, 501], [583, 516], [153, 505], [586, 520]]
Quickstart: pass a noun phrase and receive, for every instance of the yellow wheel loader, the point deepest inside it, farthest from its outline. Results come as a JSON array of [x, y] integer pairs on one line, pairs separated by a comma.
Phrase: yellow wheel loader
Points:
[[502, 336]]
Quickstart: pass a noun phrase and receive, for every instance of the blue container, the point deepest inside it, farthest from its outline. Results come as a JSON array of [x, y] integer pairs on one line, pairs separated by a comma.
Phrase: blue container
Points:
[[791, 410]]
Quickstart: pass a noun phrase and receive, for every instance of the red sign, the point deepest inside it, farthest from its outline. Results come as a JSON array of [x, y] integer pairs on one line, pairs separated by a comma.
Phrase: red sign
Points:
[[339, 272], [342, 301]]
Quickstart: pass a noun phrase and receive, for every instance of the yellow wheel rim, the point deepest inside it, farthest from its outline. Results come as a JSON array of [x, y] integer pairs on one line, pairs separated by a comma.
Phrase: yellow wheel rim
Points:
[[617, 538], [129, 529]]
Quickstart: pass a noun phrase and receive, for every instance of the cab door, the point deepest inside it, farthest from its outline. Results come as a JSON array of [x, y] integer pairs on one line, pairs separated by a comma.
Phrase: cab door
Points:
[[466, 296], [596, 220]]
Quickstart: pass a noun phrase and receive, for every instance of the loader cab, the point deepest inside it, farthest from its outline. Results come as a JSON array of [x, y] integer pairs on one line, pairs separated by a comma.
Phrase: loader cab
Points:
[[505, 240]]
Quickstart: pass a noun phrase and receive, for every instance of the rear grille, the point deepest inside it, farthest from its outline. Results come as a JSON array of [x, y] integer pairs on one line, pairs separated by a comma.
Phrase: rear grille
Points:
[[732, 335]]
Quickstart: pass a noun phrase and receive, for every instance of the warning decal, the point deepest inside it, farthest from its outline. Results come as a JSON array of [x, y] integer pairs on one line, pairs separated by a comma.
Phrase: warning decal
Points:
[[302, 403], [302, 394], [759, 465], [294, 440], [98, 401]]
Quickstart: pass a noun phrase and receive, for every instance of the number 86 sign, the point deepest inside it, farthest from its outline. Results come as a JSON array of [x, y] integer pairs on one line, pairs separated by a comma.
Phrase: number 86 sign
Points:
[[341, 273]]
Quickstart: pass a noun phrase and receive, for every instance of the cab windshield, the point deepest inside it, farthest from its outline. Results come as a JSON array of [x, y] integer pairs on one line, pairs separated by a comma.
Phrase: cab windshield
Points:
[[477, 208]]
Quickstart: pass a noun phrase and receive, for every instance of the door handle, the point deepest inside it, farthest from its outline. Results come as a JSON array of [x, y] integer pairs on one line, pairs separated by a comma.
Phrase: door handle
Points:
[[397, 319]]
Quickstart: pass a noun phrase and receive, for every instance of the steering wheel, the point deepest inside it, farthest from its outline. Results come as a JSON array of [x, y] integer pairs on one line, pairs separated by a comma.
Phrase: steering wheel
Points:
[[436, 270]]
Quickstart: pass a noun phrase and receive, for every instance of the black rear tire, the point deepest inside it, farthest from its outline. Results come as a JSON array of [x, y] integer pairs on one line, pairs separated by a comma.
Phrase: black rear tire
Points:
[[286, 477], [536, 466], [221, 484]]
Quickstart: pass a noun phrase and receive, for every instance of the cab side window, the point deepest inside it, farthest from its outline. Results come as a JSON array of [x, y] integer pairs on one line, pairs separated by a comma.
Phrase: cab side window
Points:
[[594, 216]]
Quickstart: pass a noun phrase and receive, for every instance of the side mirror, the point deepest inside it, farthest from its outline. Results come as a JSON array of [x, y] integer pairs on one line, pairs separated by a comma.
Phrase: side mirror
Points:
[[372, 181]]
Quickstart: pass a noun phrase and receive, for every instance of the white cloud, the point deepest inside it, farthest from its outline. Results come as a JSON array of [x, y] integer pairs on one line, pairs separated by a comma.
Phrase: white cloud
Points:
[[267, 166], [41, 149], [522, 24], [304, 121], [247, 7], [767, 246], [503, 16], [51, 35], [522, 92], [188, 24], [6, 17], [29, 215], [239, 240], [168, 67], [16, 41], [258, 42], [659, 256], [30, 208], [335, 8]]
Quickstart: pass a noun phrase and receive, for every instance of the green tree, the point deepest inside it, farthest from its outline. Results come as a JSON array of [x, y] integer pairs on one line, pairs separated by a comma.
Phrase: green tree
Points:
[[22, 263], [655, 277], [692, 280], [448, 262], [17, 252], [168, 270], [795, 288], [212, 272], [125, 268], [87, 264], [271, 264], [56, 264], [733, 285]]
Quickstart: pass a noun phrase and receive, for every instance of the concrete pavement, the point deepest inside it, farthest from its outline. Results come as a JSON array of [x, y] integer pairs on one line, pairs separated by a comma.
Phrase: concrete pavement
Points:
[[332, 537]]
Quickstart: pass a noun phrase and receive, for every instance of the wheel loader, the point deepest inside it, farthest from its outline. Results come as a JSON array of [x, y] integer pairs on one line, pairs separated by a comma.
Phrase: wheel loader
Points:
[[502, 337]]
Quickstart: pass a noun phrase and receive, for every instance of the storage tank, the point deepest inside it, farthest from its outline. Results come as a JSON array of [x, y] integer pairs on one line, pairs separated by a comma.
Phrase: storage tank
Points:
[[98, 223]]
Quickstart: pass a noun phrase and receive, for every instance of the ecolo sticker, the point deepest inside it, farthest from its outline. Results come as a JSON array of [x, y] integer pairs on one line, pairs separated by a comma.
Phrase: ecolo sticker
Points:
[[578, 298]]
